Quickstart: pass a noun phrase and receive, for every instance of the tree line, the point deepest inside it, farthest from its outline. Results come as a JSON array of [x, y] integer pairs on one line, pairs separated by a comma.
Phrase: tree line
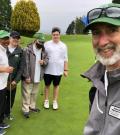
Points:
[[116, 1], [76, 26], [25, 18]]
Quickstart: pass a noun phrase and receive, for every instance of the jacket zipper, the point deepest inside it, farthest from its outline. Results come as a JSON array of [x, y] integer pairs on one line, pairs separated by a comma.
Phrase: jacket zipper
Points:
[[106, 104]]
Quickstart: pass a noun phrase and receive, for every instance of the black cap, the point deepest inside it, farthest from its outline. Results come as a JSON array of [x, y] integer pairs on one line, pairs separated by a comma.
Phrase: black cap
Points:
[[15, 34]]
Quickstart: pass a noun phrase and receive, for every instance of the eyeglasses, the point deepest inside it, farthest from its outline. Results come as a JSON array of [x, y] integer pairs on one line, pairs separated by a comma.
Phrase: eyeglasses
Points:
[[111, 12]]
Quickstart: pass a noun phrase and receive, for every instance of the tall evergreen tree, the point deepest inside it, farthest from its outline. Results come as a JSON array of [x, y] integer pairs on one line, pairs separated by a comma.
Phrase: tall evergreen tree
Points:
[[70, 29], [5, 14], [79, 25], [25, 18], [116, 1], [76, 27]]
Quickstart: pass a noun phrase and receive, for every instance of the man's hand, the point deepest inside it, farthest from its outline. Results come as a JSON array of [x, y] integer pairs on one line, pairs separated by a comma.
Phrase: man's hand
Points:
[[13, 83], [9, 69], [28, 80], [41, 62], [65, 73]]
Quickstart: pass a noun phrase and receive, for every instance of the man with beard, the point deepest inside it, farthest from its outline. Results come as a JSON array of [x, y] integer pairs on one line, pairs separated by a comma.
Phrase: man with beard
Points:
[[104, 23], [36, 60]]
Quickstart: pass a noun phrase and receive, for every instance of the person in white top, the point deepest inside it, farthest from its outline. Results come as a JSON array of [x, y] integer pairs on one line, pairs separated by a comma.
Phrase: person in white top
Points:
[[57, 66], [5, 69]]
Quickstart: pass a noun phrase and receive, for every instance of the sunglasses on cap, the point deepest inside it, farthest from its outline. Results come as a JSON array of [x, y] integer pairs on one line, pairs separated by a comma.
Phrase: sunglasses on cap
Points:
[[111, 12]]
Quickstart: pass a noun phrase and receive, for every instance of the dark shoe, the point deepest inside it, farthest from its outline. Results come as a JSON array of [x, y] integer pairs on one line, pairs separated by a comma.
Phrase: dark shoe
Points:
[[35, 109], [4, 125], [2, 132], [8, 117], [27, 115]]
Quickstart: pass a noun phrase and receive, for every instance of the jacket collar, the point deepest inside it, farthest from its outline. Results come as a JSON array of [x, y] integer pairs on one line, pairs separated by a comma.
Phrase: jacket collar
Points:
[[97, 71], [30, 48], [95, 74], [113, 76], [16, 51]]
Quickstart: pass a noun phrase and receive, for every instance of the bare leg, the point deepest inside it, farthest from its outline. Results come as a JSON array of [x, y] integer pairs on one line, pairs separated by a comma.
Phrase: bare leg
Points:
[[55, 92], [47, 88], [46, 102]]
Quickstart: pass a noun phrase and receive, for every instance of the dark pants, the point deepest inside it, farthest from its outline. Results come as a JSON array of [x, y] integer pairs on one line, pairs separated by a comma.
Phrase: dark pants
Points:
[[52, 78], [8, 102], [2, 104]]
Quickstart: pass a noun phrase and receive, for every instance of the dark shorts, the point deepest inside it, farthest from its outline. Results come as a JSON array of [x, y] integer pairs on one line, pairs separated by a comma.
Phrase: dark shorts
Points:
[[52, 78]]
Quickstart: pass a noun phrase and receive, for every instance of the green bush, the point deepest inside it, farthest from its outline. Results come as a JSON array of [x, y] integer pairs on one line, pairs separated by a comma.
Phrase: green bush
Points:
[[25, 18]]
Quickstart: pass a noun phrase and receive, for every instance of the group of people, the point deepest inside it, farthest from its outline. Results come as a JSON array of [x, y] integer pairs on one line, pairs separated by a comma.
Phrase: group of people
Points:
[[38, 60], [49, 60]]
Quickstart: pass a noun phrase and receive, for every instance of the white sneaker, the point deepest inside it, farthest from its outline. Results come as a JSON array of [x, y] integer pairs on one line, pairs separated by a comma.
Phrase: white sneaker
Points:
[[46, 104], [55, 105]]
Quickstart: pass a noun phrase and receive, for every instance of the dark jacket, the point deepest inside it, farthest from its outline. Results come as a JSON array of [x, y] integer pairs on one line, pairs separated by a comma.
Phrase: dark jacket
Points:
[[30, 58], [16, 60]]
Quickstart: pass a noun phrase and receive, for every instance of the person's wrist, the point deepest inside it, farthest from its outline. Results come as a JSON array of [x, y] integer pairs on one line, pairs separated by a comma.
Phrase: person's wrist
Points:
[[65, 69]]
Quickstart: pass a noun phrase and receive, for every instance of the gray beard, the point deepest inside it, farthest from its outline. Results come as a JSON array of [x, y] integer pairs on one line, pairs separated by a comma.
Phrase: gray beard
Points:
[[109, 61]]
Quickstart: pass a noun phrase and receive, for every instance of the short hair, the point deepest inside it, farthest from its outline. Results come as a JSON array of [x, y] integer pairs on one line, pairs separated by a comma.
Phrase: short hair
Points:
[[54, 29]]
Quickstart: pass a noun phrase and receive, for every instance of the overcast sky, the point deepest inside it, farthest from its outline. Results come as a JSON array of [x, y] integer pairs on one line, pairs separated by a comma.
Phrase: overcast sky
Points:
[[62, 12]]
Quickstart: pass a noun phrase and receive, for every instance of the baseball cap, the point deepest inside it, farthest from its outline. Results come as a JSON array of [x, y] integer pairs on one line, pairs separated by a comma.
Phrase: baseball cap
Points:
[[15, 34], [4, 34], [40, 37], [104, 18]]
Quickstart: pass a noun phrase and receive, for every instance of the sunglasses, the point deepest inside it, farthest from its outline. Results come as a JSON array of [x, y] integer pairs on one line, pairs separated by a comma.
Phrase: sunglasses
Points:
[[39, 42], [111, 12]]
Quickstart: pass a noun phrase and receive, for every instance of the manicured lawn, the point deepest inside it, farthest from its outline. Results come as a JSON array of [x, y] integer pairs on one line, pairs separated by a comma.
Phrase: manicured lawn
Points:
[[73, 98]]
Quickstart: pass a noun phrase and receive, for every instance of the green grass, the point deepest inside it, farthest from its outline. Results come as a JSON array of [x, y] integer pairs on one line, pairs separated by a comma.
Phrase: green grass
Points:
[[73, 99]]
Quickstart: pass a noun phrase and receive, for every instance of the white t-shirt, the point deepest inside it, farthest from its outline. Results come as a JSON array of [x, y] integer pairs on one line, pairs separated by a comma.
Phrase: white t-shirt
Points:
[[11, 49], [3, 62], [37, 64], [57, 54]]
